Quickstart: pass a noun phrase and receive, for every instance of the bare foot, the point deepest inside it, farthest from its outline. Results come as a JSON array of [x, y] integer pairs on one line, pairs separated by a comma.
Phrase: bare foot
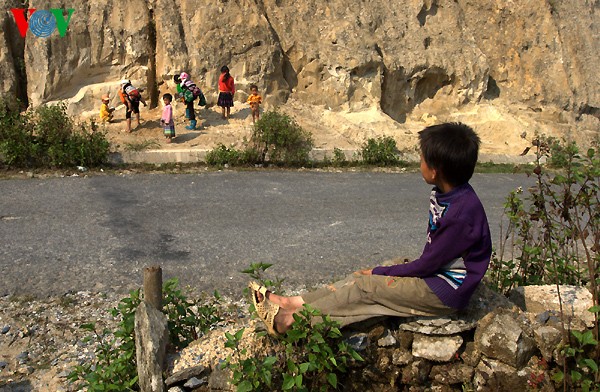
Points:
[[283, 320], [288, 303]]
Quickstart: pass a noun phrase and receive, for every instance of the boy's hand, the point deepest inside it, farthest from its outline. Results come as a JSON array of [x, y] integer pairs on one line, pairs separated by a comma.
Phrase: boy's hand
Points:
[[365, 272]]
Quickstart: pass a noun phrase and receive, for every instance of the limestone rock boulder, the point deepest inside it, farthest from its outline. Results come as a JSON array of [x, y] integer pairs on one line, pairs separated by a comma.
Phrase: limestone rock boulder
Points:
[[547, 339], [483, 301], [436, 348], [106, 41], [505, 67], [201, 38], [502, 336], [13, 81], [539, 299], [452, 373], [494, 375]]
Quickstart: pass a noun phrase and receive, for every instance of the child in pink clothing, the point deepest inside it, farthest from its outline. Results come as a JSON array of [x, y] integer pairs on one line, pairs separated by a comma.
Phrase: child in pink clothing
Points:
[[166, 121]]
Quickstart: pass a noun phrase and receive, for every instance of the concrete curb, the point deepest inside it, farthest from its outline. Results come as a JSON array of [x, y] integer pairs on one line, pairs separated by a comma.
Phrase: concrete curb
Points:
[[199, 156]]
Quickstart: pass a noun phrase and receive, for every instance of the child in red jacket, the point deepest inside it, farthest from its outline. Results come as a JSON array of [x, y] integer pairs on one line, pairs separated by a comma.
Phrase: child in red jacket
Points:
[[226, 91]]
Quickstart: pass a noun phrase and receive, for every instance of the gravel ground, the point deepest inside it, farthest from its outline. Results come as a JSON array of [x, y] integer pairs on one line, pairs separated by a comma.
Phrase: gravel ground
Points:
[[41, 340]]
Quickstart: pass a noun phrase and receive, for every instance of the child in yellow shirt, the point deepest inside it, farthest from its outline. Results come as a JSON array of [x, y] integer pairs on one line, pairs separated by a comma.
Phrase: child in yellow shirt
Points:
[[254, 100], [106, 113]]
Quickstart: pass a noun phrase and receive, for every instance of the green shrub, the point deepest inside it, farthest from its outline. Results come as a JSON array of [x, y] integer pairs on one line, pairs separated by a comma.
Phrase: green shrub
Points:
[[339, 158], [114, 367], [222, 155], [552, 238], [583, 374], [257, 272], [16, 136], [89, 146], [278, 139], [48, 137], [250, 156], [547, 233], [315, 355], [184, 323], [380, 151]]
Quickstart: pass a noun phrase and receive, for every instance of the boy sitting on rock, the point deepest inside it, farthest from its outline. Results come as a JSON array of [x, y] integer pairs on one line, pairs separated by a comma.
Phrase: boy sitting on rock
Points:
[[441, 281]]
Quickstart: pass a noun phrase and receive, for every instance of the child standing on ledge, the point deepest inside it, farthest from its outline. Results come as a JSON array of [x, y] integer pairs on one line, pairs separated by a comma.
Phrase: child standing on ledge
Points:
[[254, 100], [226, 91], [166, 121], [131, 97]]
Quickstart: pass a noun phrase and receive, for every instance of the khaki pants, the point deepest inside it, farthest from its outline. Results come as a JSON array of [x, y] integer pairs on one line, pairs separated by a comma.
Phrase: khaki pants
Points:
[[360, 297]]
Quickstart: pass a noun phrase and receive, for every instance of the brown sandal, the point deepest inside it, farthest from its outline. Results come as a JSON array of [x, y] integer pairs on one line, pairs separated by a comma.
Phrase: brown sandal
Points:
[[257, 288], [265, 309]]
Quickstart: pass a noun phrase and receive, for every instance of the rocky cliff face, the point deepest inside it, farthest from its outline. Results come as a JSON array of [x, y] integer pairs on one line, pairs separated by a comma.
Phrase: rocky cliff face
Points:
[[532, 64]]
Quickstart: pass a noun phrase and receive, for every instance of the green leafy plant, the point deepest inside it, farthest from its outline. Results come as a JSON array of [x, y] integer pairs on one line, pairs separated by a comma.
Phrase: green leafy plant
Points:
[[16, 136], [114, 367], [279, 139], [222, 155], [249, 373], [552, 237], [89, 146], [581, 368], [549, 232], [48, 137], [316, 353], [185, 324], [257, 272], [380, 151], [339, 158]]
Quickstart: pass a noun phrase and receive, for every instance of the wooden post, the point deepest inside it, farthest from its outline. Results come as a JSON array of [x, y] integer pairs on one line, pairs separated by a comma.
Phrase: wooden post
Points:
[[153, 286]]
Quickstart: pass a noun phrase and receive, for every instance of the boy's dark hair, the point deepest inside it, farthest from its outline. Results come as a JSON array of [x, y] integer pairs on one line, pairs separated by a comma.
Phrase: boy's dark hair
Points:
[[168, 96], [253, 86], [451, 149]]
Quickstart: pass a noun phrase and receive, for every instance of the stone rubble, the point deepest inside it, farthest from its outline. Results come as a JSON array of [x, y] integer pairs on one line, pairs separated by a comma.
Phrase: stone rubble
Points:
[[42, 342]]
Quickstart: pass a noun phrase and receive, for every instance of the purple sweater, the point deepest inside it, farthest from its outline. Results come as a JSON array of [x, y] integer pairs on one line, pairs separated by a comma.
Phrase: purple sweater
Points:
[[458, 248]]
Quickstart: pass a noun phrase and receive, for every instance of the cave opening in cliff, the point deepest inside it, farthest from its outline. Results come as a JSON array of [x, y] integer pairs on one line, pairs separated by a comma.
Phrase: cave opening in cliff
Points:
[[492, 91], [394, 99], [400, 93], [428, 86]]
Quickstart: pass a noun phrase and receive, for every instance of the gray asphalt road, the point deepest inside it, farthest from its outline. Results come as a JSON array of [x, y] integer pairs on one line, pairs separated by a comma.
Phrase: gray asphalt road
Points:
[[99, 232]]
